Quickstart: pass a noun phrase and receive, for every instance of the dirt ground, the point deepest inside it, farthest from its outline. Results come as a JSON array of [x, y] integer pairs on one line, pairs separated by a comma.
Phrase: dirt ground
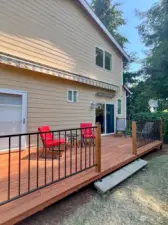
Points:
[[140, 200]]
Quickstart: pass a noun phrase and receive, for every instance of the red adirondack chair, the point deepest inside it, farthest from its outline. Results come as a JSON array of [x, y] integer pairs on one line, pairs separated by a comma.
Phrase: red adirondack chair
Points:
[[49, 142], [87, 134]]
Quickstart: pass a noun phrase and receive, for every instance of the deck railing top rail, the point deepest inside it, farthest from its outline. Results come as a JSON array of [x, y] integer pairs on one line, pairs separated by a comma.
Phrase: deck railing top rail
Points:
[[55, 131]]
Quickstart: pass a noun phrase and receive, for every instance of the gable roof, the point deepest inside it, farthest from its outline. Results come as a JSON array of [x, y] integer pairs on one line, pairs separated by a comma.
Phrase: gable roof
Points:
[[103, 28]]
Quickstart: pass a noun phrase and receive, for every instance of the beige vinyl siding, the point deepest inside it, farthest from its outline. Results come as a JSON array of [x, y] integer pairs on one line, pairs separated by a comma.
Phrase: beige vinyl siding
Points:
[[47, 99], [56, 33]]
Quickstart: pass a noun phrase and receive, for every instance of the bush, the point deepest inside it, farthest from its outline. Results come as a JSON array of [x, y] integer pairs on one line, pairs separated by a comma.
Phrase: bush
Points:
[[155, 116]]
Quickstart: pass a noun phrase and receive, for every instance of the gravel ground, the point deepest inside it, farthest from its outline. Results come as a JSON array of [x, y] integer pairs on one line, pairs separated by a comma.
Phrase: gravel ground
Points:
[[141, 200]]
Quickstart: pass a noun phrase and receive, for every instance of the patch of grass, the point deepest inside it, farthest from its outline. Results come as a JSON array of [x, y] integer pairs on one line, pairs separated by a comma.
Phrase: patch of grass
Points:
[[142, 199]]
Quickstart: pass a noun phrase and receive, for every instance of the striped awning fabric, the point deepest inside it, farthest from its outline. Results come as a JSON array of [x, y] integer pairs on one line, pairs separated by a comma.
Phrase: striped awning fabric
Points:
[[33, 66]]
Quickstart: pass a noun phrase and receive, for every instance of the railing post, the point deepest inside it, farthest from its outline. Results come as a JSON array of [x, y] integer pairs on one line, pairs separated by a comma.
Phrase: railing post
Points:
[[134, 147], [98, 147]]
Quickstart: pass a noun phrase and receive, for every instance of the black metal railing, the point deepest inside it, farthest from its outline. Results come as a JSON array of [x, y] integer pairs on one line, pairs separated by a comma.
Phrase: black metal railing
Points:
[[124, 125], [36, 160], [147, 132]]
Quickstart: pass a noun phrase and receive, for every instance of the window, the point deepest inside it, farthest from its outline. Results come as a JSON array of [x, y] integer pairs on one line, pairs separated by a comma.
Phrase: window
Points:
[[72, 96], [99, 57], [103, 59], [108, 57], [119, 106], [75, 96]]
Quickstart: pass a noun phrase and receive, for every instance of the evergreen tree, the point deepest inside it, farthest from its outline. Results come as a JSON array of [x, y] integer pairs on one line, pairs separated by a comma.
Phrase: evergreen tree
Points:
[[111, 16], [154, 34]]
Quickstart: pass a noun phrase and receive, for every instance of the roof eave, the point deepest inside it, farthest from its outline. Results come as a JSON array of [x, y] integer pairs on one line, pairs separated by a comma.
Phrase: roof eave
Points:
[[127, 89], [103, 28]]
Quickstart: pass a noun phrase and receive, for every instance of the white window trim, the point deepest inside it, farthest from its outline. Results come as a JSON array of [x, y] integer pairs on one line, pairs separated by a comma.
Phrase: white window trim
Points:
[[72, 95]]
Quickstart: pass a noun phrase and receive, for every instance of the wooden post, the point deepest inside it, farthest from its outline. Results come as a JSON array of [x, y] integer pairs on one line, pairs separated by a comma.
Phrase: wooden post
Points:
[[134, 147], [98, 147]]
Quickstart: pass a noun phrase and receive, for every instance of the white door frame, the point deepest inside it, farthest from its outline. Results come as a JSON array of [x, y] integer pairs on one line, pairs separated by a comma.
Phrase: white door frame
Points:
[[105, 126], [24, 107]]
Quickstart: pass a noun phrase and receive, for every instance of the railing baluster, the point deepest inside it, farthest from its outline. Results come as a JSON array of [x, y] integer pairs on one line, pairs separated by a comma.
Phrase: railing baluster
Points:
[[29, 164], [37, 179], [71, 152], [52, 156], [19, 163], [134, 137], [76, 153], [9, 168], [59, 158], [93, 145], [85, 150], [81, 150], [98, 147], [65, 154], [45, 167], [90, 139]]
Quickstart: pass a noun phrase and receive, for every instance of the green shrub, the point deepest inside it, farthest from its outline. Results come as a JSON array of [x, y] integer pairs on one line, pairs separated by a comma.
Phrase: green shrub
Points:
[[154, 116]]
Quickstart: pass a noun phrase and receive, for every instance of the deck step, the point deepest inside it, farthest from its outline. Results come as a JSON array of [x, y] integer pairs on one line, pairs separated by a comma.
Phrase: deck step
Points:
[[115, 178]]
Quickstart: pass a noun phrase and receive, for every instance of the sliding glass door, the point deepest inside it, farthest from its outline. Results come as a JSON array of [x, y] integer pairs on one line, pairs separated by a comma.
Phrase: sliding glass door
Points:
[[105, 116]]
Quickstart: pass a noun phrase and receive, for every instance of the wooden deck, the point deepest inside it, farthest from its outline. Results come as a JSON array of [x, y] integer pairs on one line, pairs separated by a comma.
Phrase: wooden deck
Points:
[[116, 152]]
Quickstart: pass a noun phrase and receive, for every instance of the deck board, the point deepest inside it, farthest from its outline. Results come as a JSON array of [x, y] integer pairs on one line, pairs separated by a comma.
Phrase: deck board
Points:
[[116, 152]]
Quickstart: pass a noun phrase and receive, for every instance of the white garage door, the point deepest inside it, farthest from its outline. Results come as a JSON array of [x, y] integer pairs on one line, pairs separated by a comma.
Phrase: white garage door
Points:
[[12, 120]]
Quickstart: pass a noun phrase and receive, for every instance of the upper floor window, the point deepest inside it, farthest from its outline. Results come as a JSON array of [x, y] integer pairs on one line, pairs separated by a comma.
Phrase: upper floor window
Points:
[[103, 59], [108, 57], [119, 106], [99, 57], [72, 96]]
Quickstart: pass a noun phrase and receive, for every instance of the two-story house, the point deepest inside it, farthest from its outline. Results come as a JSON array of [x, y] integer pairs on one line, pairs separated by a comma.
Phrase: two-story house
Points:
[[59, 66]]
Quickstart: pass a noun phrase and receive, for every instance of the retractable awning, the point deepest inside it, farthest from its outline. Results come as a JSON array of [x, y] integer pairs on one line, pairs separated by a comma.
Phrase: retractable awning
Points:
[[37, 67]]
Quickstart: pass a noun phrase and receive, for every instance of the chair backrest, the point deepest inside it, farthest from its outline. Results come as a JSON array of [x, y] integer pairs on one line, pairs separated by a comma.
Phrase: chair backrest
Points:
[[45, 136], [148, 127], [121, 124], [86, 131]]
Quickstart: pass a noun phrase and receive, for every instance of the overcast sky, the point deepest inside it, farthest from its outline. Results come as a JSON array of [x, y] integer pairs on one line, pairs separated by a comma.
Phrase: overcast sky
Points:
[[128, 7]]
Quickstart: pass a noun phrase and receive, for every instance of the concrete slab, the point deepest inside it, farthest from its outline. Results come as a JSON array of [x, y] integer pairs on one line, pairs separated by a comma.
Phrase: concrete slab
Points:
[[112, 180], [135, 166]]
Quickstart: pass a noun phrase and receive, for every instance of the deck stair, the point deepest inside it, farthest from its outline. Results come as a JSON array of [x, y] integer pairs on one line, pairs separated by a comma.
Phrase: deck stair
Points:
[[115, 178]]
